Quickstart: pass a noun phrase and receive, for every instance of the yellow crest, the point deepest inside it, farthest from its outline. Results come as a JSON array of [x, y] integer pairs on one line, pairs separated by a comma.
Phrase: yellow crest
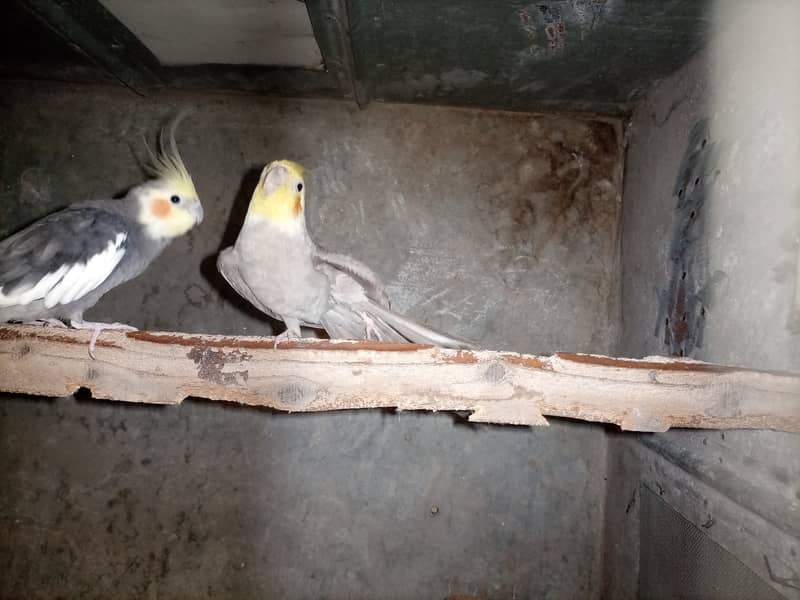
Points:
[[167, 165]]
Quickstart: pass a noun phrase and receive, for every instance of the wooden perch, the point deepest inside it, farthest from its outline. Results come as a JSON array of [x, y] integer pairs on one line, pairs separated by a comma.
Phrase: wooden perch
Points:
[[653, 394]]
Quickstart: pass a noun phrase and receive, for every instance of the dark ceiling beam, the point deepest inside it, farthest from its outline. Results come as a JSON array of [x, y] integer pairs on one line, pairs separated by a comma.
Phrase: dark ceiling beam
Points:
[[333, 30], [93, 31]]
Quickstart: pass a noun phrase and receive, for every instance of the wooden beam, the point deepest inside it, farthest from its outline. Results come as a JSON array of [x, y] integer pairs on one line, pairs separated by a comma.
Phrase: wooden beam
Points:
[[652, 394], [332, 26], [88, 27]]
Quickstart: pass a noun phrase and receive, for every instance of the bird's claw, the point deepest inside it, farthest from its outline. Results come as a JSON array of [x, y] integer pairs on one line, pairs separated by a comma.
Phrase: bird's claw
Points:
[[46, 323], [370, 327], [96, 329], [284, 337]]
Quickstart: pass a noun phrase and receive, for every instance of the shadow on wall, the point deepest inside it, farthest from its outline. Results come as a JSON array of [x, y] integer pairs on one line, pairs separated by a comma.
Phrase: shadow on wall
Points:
[[208, 266]]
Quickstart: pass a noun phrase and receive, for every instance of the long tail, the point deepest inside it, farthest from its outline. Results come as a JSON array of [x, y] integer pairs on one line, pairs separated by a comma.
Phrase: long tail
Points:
[[414, 332]]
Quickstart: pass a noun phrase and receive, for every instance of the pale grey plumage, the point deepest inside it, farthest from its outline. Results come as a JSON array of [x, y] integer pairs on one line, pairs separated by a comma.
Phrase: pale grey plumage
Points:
[[278, 268]]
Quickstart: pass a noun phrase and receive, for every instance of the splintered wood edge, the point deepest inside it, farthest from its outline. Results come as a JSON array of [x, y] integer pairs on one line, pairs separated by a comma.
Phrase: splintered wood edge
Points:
[[651, 394]]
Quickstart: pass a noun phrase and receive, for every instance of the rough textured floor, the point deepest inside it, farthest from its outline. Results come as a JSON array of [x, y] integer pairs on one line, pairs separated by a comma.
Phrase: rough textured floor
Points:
[[495, 226]]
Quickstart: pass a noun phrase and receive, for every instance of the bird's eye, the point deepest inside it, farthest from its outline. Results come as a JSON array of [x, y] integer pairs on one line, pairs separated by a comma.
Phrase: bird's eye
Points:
[[299, 187], [175, 199]]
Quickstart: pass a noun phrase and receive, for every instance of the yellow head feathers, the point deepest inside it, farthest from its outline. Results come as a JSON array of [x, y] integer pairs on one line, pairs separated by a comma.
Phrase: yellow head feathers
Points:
[[295, 168], [167, 165], [168, 204], [280, 194]]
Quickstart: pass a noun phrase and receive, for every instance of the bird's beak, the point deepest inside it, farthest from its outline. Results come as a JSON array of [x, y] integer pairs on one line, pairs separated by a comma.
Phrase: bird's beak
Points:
[[197, 210]]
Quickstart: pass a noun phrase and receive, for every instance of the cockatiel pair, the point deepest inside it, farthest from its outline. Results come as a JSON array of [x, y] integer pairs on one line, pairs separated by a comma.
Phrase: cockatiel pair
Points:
[[60, 266]]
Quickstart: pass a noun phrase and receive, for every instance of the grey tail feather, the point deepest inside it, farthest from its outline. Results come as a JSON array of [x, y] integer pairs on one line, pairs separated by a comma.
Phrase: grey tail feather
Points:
[[419, 334]]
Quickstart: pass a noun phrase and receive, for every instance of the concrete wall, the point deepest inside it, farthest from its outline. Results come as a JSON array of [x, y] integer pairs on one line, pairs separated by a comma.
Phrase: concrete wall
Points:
[[710, 243], [499, 227], [554, 55]]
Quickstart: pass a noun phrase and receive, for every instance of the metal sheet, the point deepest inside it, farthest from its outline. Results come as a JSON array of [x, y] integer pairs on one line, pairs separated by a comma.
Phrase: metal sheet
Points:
[[187, 32]]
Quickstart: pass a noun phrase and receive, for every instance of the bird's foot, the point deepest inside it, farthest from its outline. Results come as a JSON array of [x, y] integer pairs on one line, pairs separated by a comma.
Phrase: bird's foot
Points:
[[97, 328], [46, 323], [286, 336], [371, 328]]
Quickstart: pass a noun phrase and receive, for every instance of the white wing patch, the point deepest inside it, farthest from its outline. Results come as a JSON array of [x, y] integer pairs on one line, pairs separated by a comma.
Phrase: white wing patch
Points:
[[70, 282]]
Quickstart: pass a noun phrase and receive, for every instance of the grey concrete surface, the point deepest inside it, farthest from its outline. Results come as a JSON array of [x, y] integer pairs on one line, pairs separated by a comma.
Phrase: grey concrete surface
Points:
[[742, 488], [499, 227], [205, 501]]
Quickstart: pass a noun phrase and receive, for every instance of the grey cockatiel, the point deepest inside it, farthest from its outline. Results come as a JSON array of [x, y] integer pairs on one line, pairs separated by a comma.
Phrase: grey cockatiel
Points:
[[278, 268], [58, 267]]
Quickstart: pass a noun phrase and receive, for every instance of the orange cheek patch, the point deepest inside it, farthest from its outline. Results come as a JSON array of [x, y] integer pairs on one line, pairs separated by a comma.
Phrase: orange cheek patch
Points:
[[298, 206], [160, 208]]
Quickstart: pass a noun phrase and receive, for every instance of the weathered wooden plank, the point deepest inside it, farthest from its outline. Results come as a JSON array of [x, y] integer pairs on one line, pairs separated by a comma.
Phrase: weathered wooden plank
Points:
[[653, 394]]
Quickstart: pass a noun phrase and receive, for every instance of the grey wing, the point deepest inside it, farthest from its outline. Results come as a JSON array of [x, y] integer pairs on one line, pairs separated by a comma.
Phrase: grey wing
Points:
[[362, 273], [228, 266], [349, 316], [345, 324], [353, 315], [62, 257]]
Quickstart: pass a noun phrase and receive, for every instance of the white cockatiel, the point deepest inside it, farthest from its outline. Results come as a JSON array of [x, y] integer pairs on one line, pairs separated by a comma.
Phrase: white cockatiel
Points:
[[277, 267]]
